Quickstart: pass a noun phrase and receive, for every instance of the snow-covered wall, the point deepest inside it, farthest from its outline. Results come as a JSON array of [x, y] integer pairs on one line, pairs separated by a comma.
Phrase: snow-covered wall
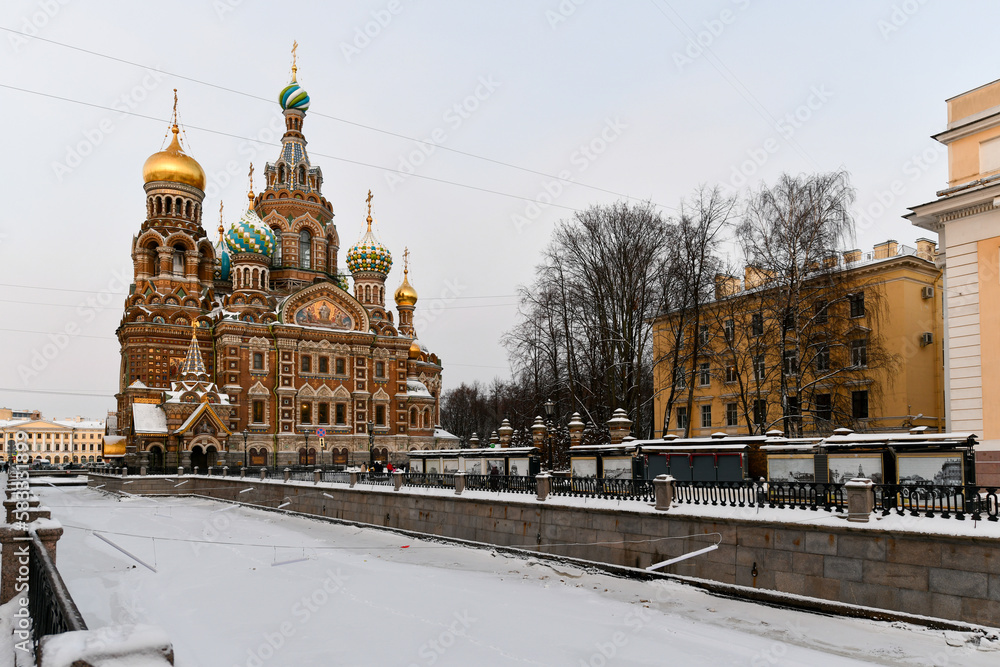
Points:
[[932, 567]]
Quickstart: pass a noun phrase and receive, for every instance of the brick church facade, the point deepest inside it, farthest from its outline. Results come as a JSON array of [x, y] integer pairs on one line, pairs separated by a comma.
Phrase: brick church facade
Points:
[[249, 349]]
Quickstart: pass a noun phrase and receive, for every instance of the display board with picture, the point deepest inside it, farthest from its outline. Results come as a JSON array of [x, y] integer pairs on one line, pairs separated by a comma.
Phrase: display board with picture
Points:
[[472, 466], [584, 466], [433, 466], [617, 467], [518, 467], [845, 467], [495, 464], [936, 469], [416, 465], [791, 468]]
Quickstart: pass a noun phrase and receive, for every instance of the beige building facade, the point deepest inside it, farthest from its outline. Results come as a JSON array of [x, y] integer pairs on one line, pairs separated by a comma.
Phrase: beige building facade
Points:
[[966, 217], [74, 440]]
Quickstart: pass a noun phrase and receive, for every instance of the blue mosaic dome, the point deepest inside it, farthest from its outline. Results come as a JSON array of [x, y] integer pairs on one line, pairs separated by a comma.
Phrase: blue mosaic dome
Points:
[[369, 254], [293, 96], [222, 254], [250, 234]]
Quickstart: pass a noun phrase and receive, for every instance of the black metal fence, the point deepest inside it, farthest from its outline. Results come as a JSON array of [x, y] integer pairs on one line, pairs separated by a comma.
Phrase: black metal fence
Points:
[[428, 479], [751, 493], [960, 501], [508, 483], [51, 607], [608, 488]]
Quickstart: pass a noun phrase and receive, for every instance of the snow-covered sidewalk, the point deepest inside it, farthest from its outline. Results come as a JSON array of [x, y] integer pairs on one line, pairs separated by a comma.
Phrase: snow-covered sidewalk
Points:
[[238, 586]]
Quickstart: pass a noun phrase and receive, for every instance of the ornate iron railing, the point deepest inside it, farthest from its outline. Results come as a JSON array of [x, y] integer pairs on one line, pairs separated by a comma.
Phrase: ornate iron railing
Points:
[[807, 495], [51, 607], [508, 483], [375, 478], [609, 488], [959, 501], [428, 479], [749, 493], [728, 494], [336, 476]]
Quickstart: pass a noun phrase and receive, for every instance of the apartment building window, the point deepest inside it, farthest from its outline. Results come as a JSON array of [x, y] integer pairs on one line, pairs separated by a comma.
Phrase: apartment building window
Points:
[[822, 315], [824, 407], [859, 404], [859, 353], [704, 375], [759, 368], [729, 328], [706, 416], [679, 377], [791, 362], [258, 361], [757, 325], [823, 358], [759, 411], [703, 334], [858, 304], [732, 416], [788, 323], [682, 417], [730, 373]]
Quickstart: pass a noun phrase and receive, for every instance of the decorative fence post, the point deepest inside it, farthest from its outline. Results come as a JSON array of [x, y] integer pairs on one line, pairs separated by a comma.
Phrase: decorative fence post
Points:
[[317, 475], [664, 486], [543, 484], [13, 548], [211, 469], [354, 477], [860, 499], [397, 480], [263, 473], [287, 473], [243, 472], [142, 471], [225, 471], [180, 470], [459, 483]]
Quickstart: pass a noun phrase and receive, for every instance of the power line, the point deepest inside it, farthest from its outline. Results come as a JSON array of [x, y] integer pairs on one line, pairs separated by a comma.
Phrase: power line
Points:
[[20, 390], [271, 143], [84, 291], [331, 117]]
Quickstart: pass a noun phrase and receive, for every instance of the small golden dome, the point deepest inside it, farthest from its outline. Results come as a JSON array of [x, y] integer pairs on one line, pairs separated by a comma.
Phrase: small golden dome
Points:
[[174, 165], [405, 294], [415, 350]]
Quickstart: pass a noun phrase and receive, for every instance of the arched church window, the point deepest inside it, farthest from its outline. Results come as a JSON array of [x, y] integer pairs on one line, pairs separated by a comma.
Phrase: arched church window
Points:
[[154, 258], [305, 249], [302, 175], [276, 260], [178, 260], [281, 173], [368, 293]]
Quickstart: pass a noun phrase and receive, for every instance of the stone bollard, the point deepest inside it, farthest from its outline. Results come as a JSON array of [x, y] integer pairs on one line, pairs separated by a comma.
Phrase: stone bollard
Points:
[[142, 471], [263, 473], [287, 474], [243, 473], [225, 471], [664, 487], [14, 553], [180, 470], [124, 471], [354, 477], [860, 499], [459, 483], [194, 470], [210, 470], [48, 532], [543, 483], [317, 475], [397, 480]]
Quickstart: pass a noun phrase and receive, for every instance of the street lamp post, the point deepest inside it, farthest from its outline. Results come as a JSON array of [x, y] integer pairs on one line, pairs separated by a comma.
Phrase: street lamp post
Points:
[[371, 444], [246, 434], [550, 411]]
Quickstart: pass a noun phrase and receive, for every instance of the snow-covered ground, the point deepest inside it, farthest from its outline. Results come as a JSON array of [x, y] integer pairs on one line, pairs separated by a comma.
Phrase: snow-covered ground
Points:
[[237, 586]]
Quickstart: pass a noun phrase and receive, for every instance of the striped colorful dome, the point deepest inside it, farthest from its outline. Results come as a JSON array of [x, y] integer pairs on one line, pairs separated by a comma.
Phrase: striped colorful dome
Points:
[[250, 234], [222, 254], [369, 254], [293, 96]]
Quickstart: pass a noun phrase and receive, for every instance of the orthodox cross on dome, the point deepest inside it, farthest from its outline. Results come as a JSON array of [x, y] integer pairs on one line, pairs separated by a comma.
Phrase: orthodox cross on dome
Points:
[[222, 227], [173, 120], [369, 200], [406, 261], [250, 195], [295, 69]]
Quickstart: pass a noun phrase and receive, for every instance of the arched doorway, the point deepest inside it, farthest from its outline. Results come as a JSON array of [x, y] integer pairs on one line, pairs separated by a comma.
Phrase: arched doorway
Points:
[[258, 456], [340, 457], [307, 457], [212, 454], [199, 459], [156, 461], [381, 454]]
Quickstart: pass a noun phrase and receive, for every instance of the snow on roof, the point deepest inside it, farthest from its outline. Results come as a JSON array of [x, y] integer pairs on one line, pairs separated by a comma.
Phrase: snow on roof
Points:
[[482, 451], [417, 388], [148, 418], [443, 434], [138, 384], [72, 423], [695, 448]]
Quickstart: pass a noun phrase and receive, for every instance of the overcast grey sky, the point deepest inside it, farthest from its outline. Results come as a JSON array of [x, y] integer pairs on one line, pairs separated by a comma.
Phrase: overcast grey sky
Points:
[[640, 98]]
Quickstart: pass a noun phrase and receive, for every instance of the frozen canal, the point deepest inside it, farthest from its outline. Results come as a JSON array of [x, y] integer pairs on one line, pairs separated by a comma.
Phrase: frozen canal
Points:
[[242, 587]]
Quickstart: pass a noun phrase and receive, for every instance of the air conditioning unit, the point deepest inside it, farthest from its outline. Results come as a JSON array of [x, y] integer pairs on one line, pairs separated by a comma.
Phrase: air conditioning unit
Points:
[[927, 292], [926, 338]]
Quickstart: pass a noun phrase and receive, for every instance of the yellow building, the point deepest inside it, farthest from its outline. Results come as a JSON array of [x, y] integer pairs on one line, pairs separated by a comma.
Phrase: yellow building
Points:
[[862, 350], [75, 440], [966, 217]]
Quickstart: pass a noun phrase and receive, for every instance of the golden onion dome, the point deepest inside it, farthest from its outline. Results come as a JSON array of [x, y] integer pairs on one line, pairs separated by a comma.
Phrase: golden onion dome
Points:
[[415, 350], [405, 294], [174, 165]]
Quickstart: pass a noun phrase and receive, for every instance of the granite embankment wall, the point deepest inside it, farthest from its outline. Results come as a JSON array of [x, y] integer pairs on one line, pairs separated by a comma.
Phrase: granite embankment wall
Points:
[[950, 577]]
